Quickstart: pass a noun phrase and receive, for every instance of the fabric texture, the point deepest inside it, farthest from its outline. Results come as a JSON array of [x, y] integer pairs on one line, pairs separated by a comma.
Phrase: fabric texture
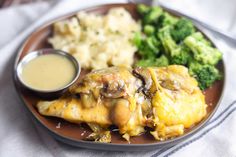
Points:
[[21, 137]]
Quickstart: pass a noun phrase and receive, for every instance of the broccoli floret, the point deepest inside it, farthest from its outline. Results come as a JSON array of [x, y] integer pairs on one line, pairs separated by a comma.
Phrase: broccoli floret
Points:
[[178, 54], [202, 51], [161, 61], [181, 56], [199, 37], [145, 47], [206, 75], [165, 20], [152, 43], [182, 29], [143, 9], [150, 47], [167, 41], [170, 46], [149, 30], [176, 42], [137, 40], [152, 15], [158, 62], [145, 62]]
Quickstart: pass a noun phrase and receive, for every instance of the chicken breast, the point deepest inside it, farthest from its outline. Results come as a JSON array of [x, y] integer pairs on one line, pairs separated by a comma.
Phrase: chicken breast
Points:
[[166, 99], [178, 103]]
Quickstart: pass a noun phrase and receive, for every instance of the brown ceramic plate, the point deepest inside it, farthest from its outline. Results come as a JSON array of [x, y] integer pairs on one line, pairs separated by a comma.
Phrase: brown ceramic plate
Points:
[[74, 134]]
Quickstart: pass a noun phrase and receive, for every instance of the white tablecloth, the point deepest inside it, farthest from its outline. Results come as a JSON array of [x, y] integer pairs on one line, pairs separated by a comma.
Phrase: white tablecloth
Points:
[[19, 137]]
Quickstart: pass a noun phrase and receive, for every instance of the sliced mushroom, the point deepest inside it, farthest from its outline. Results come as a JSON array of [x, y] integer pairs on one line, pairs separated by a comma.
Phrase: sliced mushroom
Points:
[[115, 89], [145, 76]]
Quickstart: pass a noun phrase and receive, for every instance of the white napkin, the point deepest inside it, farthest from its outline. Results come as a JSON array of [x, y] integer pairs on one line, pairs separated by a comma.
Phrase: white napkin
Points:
[[218, 13], [20, 137]]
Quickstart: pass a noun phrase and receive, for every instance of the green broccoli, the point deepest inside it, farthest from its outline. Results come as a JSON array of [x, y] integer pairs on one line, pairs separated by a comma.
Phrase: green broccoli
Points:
[[181, 56], [137, 40], [142, 9], [167, 41], [153, 43], [161, 61], [181, 29], [166, 20], [202, 51], [199, 36], [145, 62], [152, 15], [158, 62], [178, 54], [170, 40], [149, 30], [150, 47], [206, 75]]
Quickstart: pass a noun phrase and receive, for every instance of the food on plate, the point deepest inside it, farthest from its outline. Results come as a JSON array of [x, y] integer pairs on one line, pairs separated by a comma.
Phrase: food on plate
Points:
[[48, 72], [98, 41], [145, 76], [205, 74], [167, 40], [159, 39], [166, 99]]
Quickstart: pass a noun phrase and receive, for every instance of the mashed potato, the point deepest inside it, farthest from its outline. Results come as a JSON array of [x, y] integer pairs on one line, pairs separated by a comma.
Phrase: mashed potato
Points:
[[98, 41]]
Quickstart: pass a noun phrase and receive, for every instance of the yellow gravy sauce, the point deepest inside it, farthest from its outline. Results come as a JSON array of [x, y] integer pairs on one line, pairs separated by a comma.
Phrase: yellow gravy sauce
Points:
[[48, 72]]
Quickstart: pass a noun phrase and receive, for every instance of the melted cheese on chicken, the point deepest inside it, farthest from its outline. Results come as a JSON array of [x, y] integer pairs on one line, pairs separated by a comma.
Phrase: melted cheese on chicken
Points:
[[71, 110], [178, 102], [166, 99]]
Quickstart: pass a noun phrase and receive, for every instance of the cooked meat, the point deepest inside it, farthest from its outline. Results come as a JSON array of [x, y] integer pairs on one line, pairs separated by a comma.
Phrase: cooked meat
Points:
[[178, 102], [166, 99]]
